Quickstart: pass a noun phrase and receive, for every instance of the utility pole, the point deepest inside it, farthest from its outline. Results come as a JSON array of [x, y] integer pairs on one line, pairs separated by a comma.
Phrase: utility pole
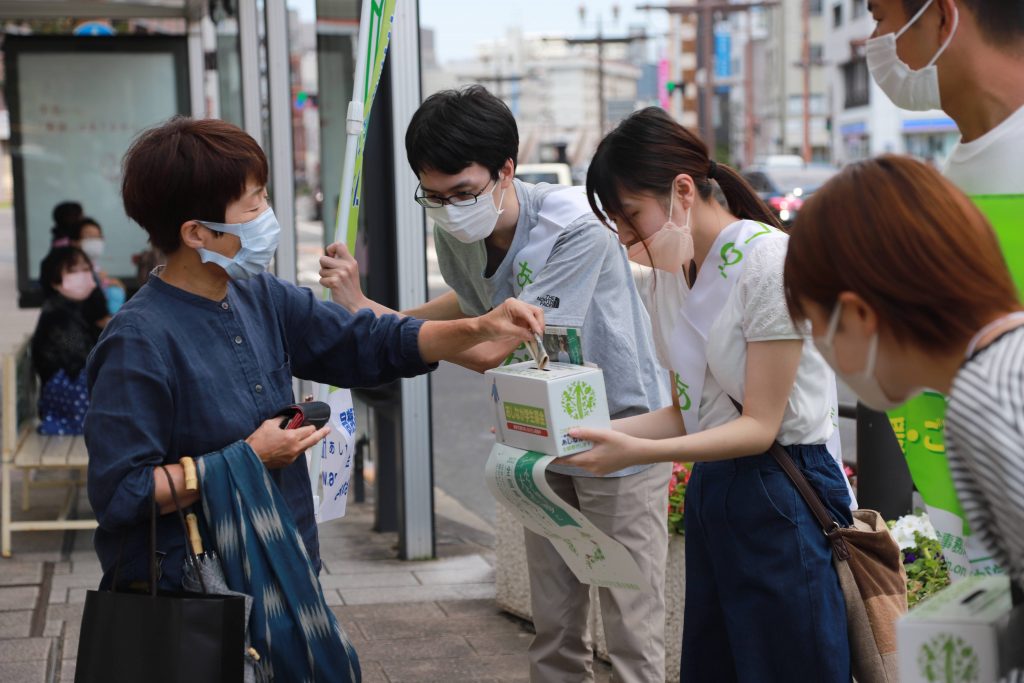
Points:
[[498, 81], [706, 10], [600, 40]]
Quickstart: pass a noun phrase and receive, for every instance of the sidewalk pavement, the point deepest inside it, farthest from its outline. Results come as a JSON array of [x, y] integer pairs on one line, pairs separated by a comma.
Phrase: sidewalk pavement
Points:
[[409, 621]]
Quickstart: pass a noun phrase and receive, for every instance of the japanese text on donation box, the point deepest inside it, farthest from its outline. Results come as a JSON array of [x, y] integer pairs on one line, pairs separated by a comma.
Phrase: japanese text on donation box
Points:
[[516, 479], [336, 457]]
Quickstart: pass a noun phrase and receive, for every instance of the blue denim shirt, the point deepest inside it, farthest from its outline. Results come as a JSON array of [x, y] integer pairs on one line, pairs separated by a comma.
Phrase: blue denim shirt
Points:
[[176, 374]]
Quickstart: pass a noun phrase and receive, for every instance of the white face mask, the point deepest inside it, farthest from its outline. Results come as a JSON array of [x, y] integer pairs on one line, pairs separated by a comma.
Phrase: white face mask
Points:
[[93, 248], [471, 223], [863, 383], [908, 89]]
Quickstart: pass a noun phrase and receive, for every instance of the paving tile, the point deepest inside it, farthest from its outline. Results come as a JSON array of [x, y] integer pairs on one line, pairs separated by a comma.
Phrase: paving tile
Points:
[[349, 566], [76, 596], [416, 610], [25, 649], [77, 580], [370, 596], [23, 672], [15, 573], [455, 576], [20, 598], [61, 568], [474, 608], [67, 671], [371, 580], [373, 672], [392, 628], [65, 612], [476, 669], [58, 596], [432, 647], [71, 634], [333, 598], [15, 624], [490, 644], [53, 629]]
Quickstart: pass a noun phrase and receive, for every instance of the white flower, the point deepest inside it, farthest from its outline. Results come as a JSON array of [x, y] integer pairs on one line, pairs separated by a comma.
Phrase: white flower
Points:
[[904, 528]]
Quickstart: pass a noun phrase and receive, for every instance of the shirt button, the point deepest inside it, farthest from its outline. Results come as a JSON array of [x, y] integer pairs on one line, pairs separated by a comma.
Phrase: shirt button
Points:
[[259, 388], [238, 340], [225, 306]]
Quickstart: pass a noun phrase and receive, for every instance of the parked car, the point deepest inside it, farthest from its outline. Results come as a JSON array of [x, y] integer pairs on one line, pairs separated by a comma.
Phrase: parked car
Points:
[[556, 174], [785, 187]]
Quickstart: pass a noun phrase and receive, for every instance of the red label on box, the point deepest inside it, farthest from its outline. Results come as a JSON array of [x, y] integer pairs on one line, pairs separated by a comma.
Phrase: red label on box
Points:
[[525, 428]]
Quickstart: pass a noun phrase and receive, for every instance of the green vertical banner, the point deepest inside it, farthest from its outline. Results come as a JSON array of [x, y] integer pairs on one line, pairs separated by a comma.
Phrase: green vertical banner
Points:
[[329, 474], [919, 423], [378, 25]]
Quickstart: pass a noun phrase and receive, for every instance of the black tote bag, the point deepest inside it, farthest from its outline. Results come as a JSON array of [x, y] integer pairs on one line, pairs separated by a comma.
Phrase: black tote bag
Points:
[[160, 637]]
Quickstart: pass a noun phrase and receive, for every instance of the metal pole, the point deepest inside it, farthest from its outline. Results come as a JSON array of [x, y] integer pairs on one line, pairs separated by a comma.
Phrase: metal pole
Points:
[[806, 62], [196, 69], [248, 43], [707, 36], [600, 82], [748, 87], [416, 530], [281, 153]]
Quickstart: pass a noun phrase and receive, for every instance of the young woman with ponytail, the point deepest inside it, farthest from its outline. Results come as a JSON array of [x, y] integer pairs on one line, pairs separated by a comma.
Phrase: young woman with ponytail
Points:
[[762, 599]]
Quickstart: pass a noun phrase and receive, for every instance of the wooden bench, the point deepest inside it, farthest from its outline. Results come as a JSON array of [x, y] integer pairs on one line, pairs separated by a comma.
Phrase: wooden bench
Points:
[[29, 452]]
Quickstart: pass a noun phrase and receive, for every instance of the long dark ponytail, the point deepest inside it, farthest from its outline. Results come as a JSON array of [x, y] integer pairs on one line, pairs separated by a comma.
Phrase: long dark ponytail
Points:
[[647, 151]]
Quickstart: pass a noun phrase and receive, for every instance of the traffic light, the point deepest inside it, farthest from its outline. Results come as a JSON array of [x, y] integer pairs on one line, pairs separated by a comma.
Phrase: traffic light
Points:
[[672, 86]]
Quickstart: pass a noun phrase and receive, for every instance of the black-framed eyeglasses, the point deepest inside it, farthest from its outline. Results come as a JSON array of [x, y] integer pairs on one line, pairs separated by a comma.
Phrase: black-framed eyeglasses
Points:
[[432, 201]]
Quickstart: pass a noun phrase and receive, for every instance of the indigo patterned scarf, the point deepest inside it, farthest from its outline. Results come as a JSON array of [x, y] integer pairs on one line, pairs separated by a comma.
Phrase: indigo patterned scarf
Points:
[[262, 554]]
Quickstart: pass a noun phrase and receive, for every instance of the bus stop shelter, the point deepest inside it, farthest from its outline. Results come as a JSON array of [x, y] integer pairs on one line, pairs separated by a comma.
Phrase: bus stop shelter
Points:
[[235, 60]]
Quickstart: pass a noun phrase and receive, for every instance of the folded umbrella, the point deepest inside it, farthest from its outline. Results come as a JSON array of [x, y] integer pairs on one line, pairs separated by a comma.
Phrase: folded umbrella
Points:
[[205, 575]]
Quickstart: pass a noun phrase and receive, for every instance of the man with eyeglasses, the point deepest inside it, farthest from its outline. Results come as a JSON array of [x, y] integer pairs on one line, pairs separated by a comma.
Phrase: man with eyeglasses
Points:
[[498, 237]]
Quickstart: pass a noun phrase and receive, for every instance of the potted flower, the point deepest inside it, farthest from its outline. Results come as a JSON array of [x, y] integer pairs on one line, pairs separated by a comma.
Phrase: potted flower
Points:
[[927, 571]]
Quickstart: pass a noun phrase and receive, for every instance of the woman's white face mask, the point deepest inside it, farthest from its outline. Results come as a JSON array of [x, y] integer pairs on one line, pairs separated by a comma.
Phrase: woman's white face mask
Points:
[[865, 382]]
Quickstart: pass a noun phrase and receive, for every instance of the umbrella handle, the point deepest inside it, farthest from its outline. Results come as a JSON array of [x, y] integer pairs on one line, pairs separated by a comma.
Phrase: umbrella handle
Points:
[[193, 533]]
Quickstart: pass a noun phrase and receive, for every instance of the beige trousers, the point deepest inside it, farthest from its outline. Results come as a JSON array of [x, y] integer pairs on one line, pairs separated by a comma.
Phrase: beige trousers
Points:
[[633, 511]]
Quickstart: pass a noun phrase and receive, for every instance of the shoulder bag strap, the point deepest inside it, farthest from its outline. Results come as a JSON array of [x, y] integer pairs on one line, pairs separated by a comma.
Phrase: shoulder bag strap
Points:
[[828, 525]]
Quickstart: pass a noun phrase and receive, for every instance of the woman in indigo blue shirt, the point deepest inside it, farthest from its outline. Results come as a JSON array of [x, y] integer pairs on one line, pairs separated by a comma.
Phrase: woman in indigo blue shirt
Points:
[[204, 354]]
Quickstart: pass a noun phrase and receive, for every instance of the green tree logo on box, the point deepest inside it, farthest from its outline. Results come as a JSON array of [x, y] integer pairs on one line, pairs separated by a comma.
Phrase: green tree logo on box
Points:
[[579, 400], [948, 659]]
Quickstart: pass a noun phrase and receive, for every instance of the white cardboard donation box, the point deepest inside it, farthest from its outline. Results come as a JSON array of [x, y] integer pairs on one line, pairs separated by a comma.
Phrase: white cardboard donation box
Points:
[[535, 409], [966, 632]]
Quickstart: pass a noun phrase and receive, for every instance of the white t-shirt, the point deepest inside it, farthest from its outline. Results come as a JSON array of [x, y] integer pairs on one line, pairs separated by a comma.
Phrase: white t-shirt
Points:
[[755, 311], [992, 164]]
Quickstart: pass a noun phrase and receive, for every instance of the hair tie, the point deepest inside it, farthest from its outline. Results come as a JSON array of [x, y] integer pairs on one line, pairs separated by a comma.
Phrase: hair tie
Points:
[[712, 169]]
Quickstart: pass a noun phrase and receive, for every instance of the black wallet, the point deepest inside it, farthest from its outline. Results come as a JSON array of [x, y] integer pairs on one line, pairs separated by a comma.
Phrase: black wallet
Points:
[[316, 413]]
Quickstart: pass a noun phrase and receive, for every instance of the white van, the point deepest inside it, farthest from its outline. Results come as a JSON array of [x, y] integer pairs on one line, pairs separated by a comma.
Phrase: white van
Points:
[[556, 174]]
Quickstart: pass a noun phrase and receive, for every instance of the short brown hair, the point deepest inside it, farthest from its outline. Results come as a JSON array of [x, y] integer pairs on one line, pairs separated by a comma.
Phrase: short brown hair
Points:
[[907, 241], [187, 169]]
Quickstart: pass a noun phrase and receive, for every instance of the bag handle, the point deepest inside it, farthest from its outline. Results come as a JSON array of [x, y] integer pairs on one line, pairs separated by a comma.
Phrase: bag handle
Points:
[[829, 526], [152, 541], [189, 552]]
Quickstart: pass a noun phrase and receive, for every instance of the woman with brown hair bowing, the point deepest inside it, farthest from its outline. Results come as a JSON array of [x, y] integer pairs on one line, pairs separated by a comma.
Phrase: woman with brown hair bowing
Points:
[[909, 290], [762, 599]]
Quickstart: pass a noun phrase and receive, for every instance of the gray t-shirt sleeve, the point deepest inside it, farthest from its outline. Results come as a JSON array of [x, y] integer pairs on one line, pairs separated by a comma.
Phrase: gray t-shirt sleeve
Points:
[[565, 286]]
